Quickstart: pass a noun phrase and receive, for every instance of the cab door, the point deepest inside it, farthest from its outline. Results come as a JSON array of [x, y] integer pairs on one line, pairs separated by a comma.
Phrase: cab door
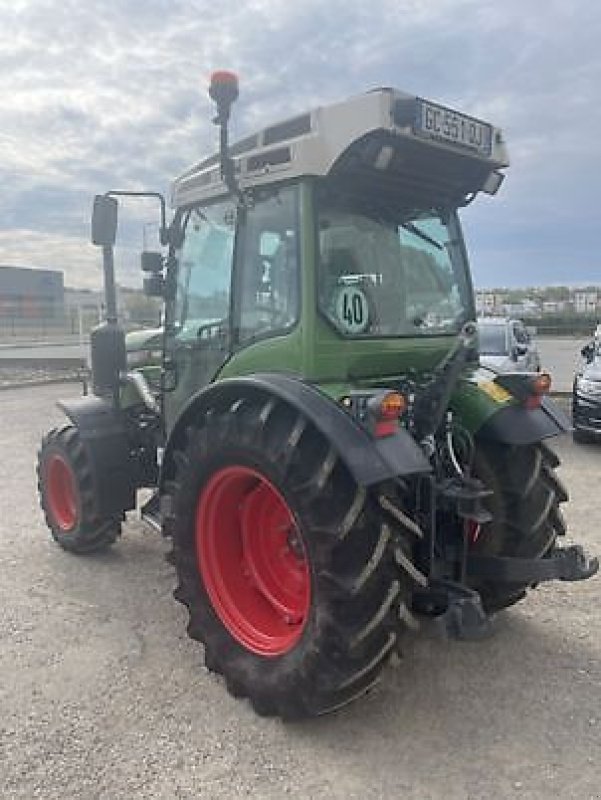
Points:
[[199, 329]]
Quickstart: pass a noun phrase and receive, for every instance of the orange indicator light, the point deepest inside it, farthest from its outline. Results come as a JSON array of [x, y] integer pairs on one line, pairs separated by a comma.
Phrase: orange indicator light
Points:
[[224, 76], [392, 406]]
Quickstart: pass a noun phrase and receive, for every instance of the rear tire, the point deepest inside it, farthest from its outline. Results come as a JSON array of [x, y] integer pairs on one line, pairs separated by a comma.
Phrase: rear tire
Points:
[[526, 511], [66, 493], [346, 616]]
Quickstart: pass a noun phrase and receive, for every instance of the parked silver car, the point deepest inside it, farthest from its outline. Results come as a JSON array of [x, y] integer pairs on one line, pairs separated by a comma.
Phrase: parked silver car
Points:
[[506, 345], [586, 393]]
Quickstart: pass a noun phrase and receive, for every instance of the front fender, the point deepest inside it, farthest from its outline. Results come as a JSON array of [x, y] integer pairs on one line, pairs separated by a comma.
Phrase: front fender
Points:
[[104, 435], [369, 460], [490, 412]]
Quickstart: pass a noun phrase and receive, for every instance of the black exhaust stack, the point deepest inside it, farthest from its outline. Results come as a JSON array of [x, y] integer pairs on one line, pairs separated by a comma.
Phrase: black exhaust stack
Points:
[[107, 340]]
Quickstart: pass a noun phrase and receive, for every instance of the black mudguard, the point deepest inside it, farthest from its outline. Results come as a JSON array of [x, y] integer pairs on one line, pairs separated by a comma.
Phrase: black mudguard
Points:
[[104, 434], [369, 460], [517, 425]]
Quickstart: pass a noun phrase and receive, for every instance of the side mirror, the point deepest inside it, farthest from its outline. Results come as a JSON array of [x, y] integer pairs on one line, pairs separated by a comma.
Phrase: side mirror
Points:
[[104, 220], [151, 262], [588, 351]]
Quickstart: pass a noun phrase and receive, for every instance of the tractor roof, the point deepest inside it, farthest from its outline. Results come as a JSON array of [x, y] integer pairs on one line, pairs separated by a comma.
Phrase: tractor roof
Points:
[[401, 139]]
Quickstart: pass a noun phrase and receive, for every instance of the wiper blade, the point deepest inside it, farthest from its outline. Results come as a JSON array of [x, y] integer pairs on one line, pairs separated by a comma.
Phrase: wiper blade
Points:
[[409, 226]]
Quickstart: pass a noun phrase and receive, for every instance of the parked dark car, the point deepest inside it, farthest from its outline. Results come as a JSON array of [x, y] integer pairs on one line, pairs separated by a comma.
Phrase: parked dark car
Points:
[[586, 395]]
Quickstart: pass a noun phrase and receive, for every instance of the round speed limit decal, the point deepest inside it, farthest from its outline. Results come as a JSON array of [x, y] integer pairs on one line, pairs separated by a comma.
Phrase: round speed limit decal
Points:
[[352, 310]]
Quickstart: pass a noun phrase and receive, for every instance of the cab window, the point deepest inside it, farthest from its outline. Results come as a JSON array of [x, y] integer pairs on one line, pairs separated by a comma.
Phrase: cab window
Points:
[[205, 270], [268, 268], [398, 276]]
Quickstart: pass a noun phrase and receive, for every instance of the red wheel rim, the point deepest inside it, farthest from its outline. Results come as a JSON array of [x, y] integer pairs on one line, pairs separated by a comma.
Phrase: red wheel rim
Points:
[[61, 493], [253, 561]]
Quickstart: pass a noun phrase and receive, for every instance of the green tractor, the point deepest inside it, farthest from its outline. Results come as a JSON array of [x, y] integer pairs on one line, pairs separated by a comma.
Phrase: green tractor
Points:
[[325, 453]]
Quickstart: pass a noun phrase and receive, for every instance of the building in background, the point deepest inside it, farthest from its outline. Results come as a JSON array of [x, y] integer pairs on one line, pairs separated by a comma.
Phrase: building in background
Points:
[[32, 301], [88, 302], [488, 303], [586, 302]]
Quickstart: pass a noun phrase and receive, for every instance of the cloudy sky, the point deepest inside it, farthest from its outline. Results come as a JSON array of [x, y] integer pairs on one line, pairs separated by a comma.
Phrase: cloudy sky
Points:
[[112, 94]]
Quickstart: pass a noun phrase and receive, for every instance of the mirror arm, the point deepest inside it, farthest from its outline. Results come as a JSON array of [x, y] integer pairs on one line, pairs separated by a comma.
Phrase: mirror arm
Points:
[[164, 230], [110, 294]]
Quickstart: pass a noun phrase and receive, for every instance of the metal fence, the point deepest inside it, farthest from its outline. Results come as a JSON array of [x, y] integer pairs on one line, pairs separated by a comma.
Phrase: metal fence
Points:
[[568, 325], [47, 324]]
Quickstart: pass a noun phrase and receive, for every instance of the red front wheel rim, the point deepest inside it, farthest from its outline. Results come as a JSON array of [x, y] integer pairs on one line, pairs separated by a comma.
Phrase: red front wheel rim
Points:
[[61, 492], [253, 561]]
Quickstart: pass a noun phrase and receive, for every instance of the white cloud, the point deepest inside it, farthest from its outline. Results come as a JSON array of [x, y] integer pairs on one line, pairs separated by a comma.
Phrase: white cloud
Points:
[[24, 247], [111, 94]]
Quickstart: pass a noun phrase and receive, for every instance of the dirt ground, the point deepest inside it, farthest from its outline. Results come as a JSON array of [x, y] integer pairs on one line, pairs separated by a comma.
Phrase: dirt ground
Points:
[[102, 695]]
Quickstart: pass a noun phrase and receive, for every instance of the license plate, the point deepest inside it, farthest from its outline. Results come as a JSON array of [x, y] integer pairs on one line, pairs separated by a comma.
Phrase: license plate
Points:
[[438, 122]]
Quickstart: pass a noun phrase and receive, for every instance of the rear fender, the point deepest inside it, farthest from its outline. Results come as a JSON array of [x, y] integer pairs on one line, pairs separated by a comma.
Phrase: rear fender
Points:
[[369, 460], [488, 411], [104, 435], [515, 424]]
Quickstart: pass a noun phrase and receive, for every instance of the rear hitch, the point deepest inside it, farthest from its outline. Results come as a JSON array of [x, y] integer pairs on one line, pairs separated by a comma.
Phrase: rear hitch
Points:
[[466, 495], [564, 564], [463, 617]]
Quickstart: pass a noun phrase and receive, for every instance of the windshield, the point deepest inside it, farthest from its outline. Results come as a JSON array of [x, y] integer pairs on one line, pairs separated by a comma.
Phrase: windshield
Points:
[[392, 277], [492, 340]]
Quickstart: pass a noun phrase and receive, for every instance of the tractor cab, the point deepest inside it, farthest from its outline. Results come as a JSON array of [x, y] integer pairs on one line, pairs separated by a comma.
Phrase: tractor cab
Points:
[[339, 255]]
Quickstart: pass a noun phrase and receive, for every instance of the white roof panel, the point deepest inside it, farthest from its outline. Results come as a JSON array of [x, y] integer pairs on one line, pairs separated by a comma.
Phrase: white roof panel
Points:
[[314, 142]]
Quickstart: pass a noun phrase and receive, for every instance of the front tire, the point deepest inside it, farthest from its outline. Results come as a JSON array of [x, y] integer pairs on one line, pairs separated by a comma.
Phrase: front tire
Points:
[[66, 492], [302, 621], [525, 506]]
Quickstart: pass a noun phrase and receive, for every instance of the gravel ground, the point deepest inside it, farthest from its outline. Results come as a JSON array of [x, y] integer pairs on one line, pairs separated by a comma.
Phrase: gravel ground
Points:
[[103, 696], [11, 376]]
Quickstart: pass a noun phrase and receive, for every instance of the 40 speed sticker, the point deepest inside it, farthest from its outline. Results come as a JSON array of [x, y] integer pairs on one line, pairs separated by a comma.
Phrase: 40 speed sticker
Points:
[[352, 309]]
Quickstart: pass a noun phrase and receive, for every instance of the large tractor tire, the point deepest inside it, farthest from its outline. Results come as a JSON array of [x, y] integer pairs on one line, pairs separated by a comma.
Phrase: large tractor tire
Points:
[[67, 494], [286, 565], [525, 506]]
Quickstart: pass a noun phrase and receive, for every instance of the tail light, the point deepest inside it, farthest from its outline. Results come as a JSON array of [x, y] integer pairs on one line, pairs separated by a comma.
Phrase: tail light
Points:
[[385, 409], [539, 385], [525, 387], [378, 411]]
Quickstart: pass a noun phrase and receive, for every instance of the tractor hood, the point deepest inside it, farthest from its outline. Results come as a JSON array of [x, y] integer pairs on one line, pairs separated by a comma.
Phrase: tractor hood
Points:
[[145, 339]]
